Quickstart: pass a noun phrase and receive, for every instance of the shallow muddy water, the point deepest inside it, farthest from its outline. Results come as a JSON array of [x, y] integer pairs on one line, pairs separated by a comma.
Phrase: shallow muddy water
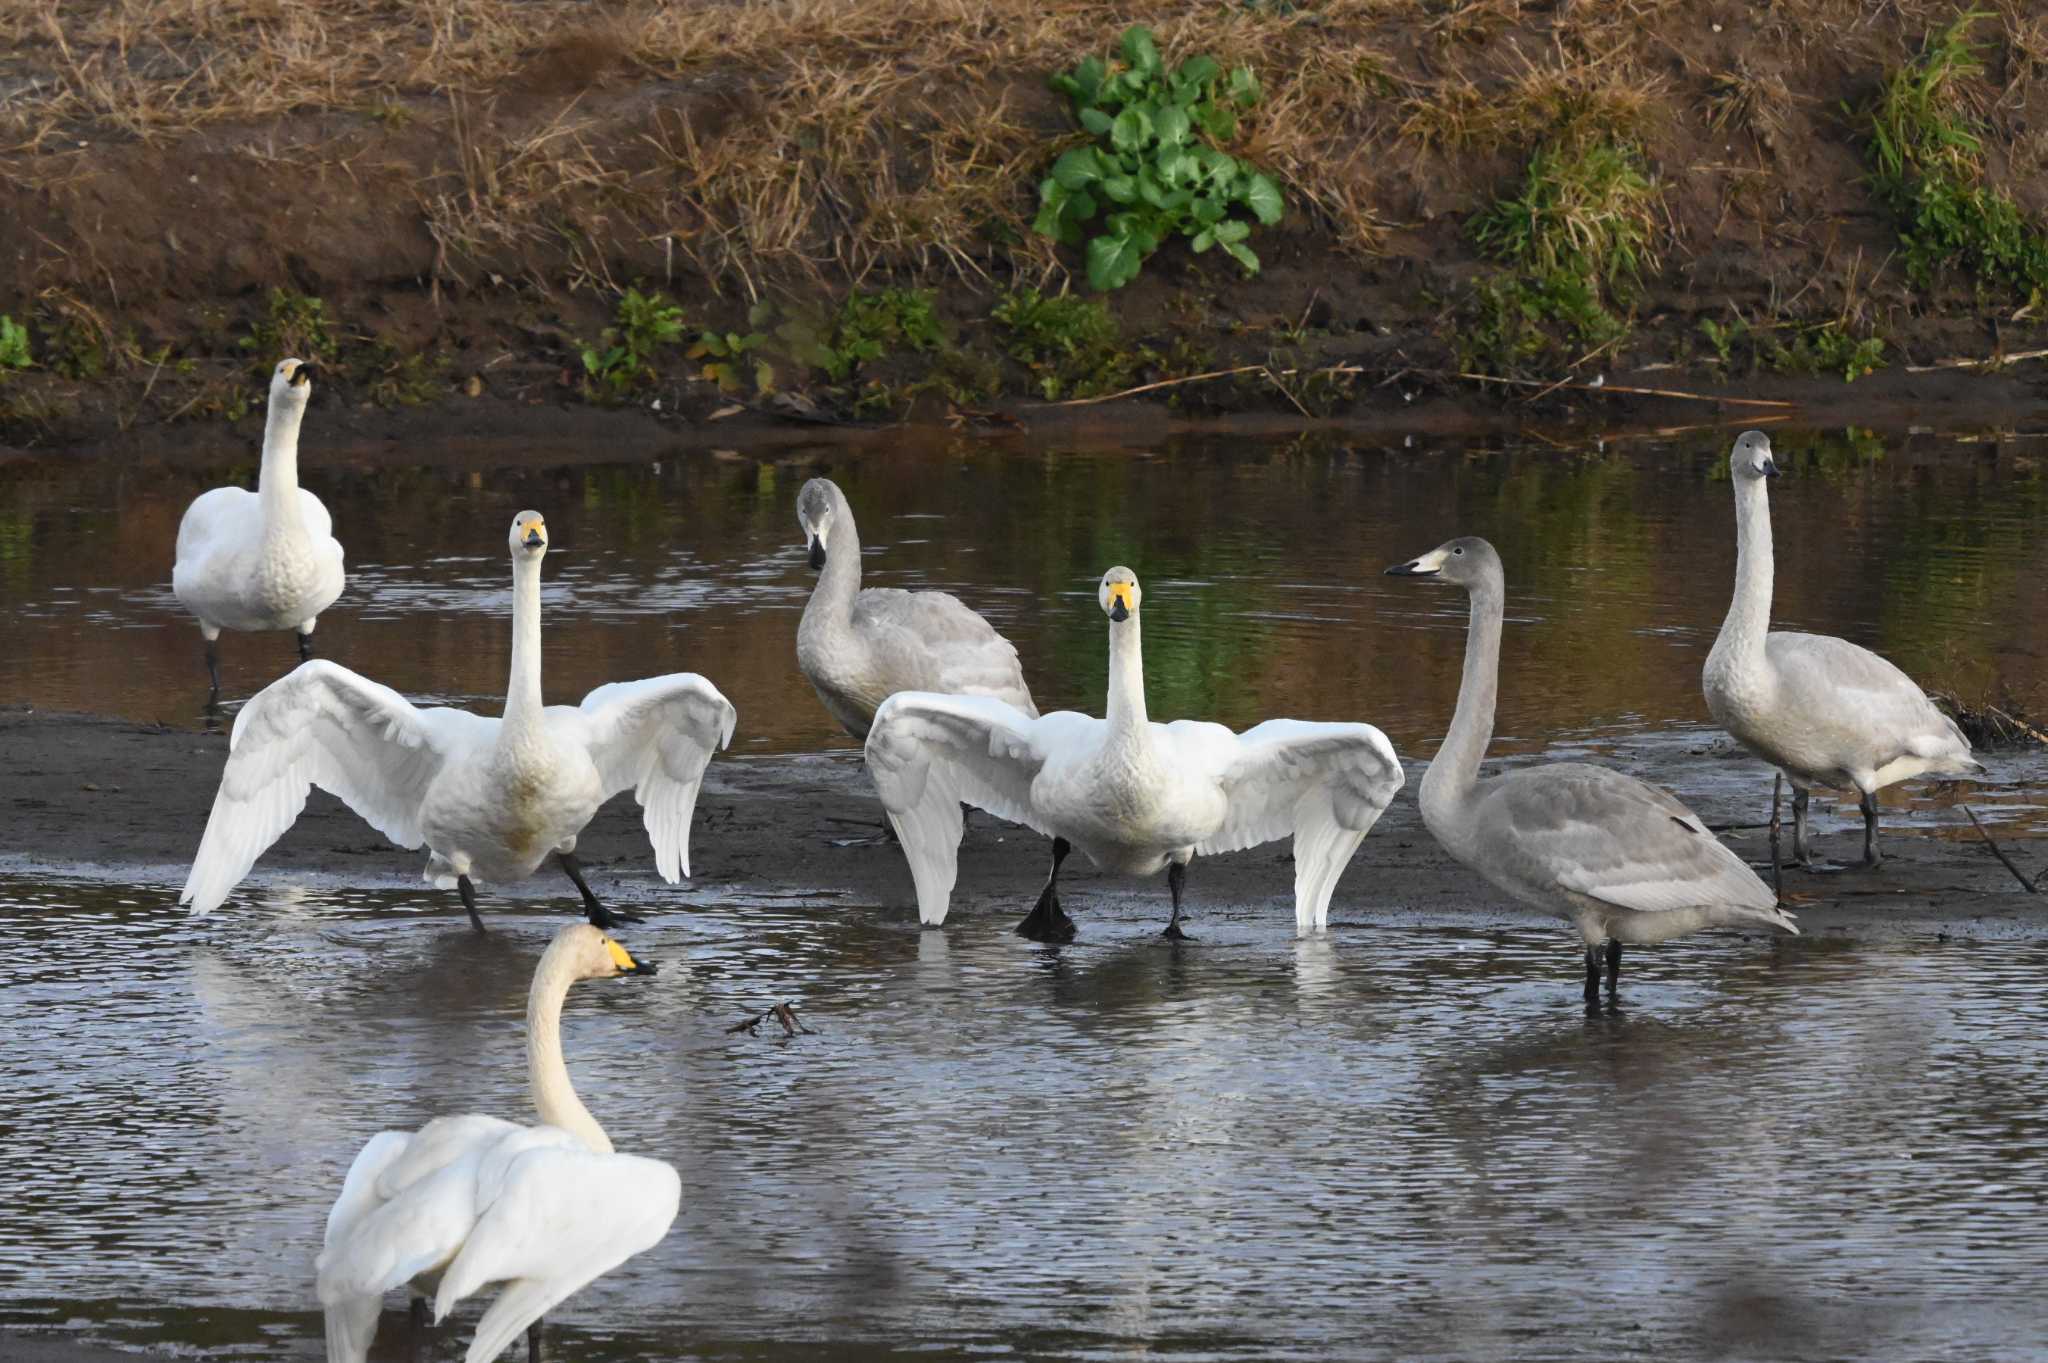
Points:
[[1261, 565], [1383, 1144]]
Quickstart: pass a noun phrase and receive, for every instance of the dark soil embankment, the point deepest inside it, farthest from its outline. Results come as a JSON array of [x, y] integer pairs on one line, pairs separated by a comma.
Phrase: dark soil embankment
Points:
[[451, 209]]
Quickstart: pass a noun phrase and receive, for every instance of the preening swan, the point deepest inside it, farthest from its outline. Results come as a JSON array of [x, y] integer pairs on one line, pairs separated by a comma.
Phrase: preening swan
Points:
[[490, 798], [1134, 795], [1822, 710], [265, 559], [479, 1200], [859, 647], [1619, 858]]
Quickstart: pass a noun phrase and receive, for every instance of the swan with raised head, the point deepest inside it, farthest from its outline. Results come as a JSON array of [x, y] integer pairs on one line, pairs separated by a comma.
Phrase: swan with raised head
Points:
[[266, 559], [1616, 857], [490, 798], [1134, 795], [858, 647], [1822, 710], [474, 1200]]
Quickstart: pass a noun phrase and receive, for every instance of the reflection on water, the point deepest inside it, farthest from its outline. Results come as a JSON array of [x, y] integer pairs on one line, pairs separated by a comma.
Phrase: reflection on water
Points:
[[1393, 1143], [1261, 565]]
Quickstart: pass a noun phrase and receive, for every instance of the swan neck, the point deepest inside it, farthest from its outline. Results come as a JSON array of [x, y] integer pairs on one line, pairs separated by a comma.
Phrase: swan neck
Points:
[[1126, 678], [522, 696], [830, 609], [1456, 765], [1749, 612], [554, 1097], [277, 485]]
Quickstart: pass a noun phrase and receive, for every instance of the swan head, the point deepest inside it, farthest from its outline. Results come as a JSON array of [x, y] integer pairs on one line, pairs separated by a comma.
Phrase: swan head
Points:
[[588, 953], [1119, 594], [816, 506], [1751, 458], [291, 383], [1467, 561], [529, 537]]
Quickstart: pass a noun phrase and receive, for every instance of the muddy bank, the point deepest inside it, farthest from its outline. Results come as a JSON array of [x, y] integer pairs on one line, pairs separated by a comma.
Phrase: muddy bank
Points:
[[840, 196], [96, 797]]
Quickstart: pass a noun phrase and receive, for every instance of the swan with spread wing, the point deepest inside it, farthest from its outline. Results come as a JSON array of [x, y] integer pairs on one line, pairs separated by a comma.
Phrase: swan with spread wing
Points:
[[490, 798], [1134, 795]]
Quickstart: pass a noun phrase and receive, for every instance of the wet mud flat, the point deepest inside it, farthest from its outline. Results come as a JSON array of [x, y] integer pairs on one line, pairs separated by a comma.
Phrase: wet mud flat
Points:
[[131, 800]]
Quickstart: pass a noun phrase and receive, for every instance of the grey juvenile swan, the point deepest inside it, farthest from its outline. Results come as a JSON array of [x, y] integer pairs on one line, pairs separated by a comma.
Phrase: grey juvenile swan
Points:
[[860, 647], [1822, 710], [1618, 858]]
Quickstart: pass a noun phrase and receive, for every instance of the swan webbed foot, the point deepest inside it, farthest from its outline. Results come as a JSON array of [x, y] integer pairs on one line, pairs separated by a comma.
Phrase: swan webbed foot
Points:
[[599, 916], [468, 893], [1047, 921], [1176, 881]]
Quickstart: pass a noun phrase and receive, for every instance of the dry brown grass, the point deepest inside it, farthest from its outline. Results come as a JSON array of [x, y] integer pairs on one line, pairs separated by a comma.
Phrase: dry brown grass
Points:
[[841, 136]]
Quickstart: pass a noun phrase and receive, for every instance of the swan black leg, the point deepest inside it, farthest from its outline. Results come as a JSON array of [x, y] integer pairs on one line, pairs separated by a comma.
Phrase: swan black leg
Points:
[[418, 1334], [1176, 881], [1800, 851], [1872, 858], [1047, 921], [1777, 862], [1613, 967], [533, 1343], [213, 670], [468, 892], [1592, 978], [598, 914], [305, 647]]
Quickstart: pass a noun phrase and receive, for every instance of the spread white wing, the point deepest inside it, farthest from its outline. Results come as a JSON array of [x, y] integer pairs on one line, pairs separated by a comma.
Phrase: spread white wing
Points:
[[322, 725], [929, 754], [1323, 784], [655, 737]]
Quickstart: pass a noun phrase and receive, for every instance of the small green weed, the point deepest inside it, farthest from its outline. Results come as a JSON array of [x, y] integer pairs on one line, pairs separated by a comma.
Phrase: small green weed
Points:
[[724, 353], [623, 357], [1510, 321], [1826, 348], [1151, 174], [295, 324], [1587, 212], [393, 378], [865, 328], [1927, 168], [1723, 338], [14, 347], [1072, 346]]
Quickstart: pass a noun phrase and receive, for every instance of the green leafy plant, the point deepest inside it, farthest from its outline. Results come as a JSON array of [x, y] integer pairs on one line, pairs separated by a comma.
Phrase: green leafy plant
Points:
[[1071, 345], [1927, 168], [725, 352], [1723, 338], [623, 357], [1584, 211], [1824, 348], [14, 348], [866, 326], [1154, 170], [294, 324]]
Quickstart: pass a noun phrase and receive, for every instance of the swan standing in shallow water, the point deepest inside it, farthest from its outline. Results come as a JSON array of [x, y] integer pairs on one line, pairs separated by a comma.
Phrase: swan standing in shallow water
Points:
[[479, 1200], [491, 798], [1134, 795], [859, 647], [265, 559], [1822, 710], [1618, 858]]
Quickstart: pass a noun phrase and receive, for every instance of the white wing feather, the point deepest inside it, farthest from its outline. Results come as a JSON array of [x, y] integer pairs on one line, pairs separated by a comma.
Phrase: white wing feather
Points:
[[1325, 784], [656, 737], [321, 725], [930, 753]]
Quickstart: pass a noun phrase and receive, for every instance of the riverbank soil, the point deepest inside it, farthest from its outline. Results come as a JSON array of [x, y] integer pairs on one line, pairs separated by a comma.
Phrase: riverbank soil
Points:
[[822, 212]]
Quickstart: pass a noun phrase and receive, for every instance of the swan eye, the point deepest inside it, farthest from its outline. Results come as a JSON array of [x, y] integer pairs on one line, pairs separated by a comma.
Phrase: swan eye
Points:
[[1458, 551]]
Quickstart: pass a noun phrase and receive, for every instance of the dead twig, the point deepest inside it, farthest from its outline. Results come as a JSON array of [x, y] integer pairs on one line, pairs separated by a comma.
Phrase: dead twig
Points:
[[2029, 886], [1988, 362], [782, 1013], [1271, 373], [1630, 390]]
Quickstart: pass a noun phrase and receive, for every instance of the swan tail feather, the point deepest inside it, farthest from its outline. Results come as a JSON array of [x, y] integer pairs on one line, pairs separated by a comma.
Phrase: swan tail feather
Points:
[[351, 1325], [524, 1301]]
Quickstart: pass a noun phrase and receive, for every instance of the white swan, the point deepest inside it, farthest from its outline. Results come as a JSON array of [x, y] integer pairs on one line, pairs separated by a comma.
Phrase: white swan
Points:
[[1617, 857], [491, 798], [1820, 709], [858, 648], [265, 559], [479, 1200], [1134, 795]]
